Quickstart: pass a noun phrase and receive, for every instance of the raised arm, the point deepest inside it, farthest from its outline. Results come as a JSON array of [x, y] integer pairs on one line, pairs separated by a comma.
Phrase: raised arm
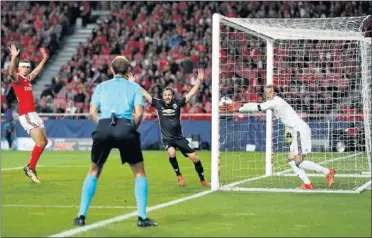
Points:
[[12, 65], [147, 96], [138, 108], [194, 89], [40, 66]]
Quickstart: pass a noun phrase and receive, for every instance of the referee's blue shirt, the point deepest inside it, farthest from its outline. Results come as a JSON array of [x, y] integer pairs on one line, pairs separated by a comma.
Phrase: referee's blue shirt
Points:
[[117, 95]]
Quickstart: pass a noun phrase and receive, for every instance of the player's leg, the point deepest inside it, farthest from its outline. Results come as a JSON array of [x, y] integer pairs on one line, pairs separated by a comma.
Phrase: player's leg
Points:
[[100, 151], [307, 185], [184, 146], [41, 140], [293, 157], [174, 163], [34, 126], [198, 168], [304, 146]]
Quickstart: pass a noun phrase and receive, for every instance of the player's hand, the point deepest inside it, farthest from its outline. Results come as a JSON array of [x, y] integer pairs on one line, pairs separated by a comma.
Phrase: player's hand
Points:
[[201, 75], [131, 77], [44, 53], [230, 107], [13, 50]]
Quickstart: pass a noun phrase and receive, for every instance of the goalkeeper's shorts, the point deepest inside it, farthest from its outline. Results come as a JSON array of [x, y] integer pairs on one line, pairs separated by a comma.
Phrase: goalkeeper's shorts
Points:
[[301, 143]]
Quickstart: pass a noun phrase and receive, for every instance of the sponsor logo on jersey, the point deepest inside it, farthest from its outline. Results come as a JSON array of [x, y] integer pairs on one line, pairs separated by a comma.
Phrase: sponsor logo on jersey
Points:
[[169, 112]]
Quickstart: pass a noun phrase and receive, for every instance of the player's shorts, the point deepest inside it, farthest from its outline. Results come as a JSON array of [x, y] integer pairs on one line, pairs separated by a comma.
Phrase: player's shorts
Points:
[[30, 121], [122, 136], [301, 143], [182, 144]]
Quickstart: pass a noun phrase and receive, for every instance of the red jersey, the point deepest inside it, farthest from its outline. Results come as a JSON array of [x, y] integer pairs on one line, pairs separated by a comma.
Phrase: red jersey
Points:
[[23, 92]]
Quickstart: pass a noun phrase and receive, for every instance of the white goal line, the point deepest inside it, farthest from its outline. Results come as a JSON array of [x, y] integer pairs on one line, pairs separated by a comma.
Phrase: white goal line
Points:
[[67, 206], [337, 175]]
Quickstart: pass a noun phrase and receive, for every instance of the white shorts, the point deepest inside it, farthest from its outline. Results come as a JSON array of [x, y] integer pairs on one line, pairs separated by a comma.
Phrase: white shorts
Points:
[[30, 121], [301, 142]]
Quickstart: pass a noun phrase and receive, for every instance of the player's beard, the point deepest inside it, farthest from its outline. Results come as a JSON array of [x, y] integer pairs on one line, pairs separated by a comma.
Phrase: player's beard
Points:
[[168, 102]]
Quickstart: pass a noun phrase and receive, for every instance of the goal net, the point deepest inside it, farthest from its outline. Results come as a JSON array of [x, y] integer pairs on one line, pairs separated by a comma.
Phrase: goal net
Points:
[[323, 70]]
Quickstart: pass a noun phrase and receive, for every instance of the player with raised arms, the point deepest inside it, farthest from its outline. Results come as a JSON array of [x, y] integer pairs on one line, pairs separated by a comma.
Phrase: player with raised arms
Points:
[[169, 113], [30, 121], [301, 133]]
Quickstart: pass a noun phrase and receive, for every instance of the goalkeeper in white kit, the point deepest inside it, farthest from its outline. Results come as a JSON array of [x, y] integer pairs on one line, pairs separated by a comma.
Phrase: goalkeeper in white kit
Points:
[[301, 134]]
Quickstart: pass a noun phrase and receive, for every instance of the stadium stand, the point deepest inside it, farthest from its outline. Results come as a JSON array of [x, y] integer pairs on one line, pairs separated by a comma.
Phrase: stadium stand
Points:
[[30, 26], [166, 42]]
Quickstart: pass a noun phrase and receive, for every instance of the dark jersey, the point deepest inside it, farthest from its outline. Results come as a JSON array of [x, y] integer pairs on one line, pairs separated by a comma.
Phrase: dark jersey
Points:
[[169, 117]]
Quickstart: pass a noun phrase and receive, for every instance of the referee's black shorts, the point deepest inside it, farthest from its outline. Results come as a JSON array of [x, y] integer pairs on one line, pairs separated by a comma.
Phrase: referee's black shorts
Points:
[[181, 143], [122, 136]]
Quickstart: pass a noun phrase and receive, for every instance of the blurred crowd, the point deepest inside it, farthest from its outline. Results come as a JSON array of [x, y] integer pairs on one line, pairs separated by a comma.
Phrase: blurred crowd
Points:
[[167, 41]]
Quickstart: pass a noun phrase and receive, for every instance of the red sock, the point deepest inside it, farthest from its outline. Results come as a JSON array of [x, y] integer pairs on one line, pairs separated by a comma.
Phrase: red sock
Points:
[[35, 156]]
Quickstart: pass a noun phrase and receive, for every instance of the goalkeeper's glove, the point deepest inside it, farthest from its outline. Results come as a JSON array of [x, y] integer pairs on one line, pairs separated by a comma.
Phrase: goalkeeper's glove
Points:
[[231, 107]]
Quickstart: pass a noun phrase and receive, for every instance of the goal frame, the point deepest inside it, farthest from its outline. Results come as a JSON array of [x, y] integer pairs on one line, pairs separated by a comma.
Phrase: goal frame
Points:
[[217, 19]]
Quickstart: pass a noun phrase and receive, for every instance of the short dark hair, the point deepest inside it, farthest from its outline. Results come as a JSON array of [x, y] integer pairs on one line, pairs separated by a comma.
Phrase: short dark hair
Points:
[[169, 89], [120, 65], [274, 87]]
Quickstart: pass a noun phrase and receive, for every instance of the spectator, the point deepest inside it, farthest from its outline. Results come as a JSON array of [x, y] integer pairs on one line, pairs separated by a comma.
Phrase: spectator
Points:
[[9, 126], [47, 92], [71, 109]]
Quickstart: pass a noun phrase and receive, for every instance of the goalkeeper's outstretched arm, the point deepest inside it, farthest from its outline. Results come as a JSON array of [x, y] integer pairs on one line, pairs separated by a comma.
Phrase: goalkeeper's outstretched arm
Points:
[[257, 107]]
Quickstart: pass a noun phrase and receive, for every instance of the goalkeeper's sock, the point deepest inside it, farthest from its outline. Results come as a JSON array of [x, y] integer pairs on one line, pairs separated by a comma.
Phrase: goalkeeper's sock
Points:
[[174, 163], [310, 165], [141, 190], [200, 170], [89, 188], [298, 171]]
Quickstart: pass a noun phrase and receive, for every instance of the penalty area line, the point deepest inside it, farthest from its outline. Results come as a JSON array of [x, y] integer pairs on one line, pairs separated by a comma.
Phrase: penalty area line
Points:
[[17, 168], [123, 217]]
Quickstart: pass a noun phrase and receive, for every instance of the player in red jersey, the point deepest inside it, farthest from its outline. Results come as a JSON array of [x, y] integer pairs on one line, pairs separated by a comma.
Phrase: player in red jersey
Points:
[[30, 121]]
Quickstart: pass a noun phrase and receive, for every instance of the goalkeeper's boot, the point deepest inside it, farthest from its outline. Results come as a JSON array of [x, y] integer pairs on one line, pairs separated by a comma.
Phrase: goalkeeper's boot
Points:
[[307, 186], [145, 222], [79, 221], [31, 173], [331, 177], [181, 181], [205, 183]]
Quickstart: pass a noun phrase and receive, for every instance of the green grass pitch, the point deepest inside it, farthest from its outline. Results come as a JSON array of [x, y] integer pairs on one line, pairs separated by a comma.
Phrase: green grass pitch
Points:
[[49, 208]]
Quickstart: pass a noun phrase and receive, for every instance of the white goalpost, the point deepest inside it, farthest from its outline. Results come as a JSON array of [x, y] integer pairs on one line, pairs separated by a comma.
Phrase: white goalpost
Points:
[[323, 70]]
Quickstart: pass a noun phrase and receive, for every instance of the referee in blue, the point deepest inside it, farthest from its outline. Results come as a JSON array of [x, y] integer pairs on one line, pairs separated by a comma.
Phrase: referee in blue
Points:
[[121, 104]]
